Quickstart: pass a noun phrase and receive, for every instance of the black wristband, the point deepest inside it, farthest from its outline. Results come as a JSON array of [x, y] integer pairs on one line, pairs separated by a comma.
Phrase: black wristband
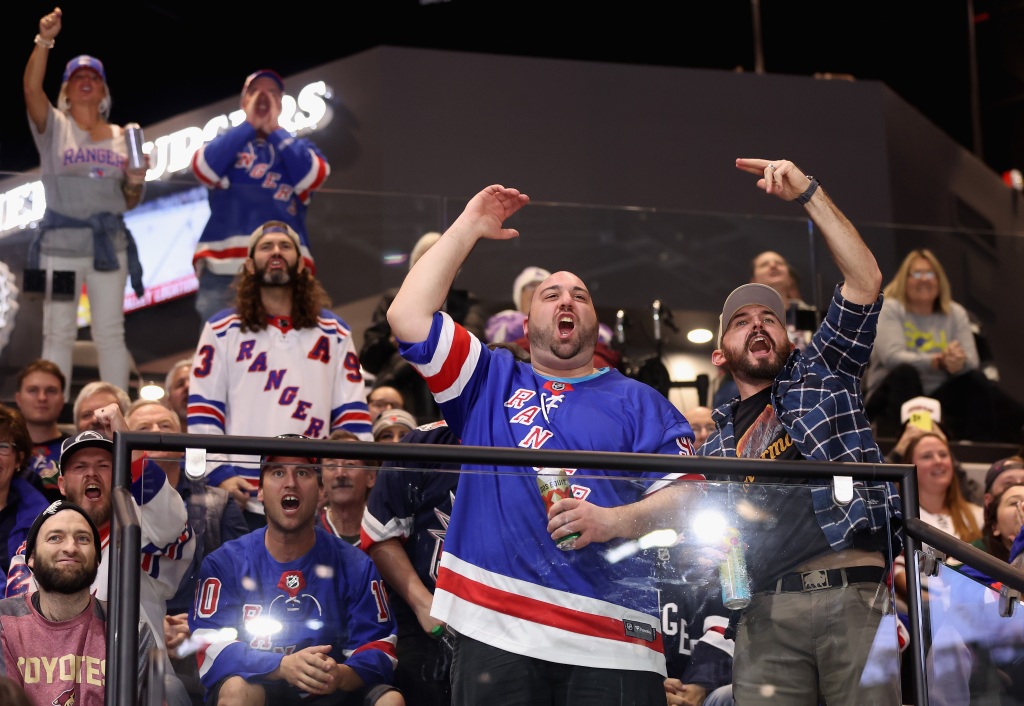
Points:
[[811, 188], [378, 691]]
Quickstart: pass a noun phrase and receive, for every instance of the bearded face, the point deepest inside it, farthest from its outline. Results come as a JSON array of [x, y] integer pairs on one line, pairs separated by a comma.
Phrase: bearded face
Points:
[[553, 339], [755, 346], [60, 578], [65, 558], [275, 260], [277, 276], [562, 327], [753, 369]]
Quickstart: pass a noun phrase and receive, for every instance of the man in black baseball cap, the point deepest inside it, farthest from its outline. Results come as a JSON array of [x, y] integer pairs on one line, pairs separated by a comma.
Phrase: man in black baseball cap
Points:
[[52, 510], [91, 491]]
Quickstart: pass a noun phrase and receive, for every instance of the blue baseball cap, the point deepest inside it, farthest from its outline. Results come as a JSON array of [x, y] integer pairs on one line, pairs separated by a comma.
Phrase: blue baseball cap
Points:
[[264, 73], [84, 62]]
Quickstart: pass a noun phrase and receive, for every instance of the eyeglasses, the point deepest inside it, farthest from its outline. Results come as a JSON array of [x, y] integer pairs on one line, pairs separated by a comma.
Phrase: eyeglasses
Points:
[[709, 428], [923, 274], [6, 448]]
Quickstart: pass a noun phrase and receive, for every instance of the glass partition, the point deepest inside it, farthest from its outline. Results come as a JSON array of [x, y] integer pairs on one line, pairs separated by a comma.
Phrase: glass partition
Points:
[[974, 651], [704, 545]]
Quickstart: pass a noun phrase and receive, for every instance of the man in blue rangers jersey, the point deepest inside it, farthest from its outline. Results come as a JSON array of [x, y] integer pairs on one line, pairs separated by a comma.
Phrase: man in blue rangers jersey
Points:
[[256, 171], [310, 610], [549, 618]]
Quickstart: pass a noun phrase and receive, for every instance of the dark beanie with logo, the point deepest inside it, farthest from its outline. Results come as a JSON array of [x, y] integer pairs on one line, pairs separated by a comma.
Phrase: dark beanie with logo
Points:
[[53, 509]]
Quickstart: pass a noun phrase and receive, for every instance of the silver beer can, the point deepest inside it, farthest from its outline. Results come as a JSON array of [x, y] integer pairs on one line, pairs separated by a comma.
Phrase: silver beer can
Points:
[[133, 139]]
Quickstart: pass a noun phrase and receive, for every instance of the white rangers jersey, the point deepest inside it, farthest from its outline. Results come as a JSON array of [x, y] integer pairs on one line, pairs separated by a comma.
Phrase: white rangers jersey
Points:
[[280, 380]]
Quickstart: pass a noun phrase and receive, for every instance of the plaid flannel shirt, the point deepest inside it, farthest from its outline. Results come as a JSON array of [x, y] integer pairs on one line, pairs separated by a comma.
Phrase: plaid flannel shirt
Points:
[[817, 398]]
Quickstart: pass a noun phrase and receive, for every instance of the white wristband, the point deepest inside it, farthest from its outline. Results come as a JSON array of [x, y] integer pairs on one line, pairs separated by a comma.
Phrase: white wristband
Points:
[[48, 43]]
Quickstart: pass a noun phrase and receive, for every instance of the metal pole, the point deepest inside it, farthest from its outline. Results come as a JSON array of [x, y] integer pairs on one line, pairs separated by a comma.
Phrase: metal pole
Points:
[[755, 7], [972, 58], [130, 541], [917, 647]]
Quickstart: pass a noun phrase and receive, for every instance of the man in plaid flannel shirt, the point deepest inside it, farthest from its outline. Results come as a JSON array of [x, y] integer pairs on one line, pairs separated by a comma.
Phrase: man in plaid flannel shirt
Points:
[[819, 626]]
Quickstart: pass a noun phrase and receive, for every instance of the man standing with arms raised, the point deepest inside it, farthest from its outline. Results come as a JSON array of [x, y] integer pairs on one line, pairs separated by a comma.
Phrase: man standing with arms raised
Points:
[[817, 561], [543, 625]]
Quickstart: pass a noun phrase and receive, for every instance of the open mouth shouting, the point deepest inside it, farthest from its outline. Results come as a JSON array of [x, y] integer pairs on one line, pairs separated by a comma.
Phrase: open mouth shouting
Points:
[[565, 326], [263, 104], [760, 345], [290, 503], [93, 491]]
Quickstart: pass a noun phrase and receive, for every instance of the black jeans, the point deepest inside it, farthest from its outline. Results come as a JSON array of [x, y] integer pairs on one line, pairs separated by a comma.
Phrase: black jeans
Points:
[[482, 674]]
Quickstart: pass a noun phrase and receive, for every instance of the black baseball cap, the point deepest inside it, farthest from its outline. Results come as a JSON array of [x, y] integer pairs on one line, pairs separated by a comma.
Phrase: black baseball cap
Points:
[[84, 440]]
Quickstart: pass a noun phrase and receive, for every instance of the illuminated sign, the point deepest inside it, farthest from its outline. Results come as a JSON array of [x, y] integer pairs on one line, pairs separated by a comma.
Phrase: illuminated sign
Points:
[[170, 154]]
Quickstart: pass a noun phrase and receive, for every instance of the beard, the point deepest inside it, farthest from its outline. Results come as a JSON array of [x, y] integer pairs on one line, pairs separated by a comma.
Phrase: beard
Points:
[[99, 513], [66, 580], [546, 339], [762, 370], [277, 278]]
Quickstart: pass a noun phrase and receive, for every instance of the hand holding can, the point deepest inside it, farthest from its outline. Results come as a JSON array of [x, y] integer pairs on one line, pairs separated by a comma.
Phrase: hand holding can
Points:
[[554, 485]]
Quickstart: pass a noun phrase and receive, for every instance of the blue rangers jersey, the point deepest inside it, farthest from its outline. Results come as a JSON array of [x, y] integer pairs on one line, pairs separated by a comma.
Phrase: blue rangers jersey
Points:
[[332, 595], [412, 502], [502, 579], [252, 181], [698, 643], [279, 380]]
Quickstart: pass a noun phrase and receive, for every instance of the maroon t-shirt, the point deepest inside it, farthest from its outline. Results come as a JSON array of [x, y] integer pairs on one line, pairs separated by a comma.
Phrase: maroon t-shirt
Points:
[[56, 663]]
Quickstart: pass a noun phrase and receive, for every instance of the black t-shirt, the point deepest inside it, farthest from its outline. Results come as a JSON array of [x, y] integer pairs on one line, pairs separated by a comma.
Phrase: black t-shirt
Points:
[[776, 515]]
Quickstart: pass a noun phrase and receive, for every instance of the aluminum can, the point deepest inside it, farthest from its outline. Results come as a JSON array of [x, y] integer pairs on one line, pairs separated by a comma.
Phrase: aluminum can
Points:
[[554, 485], [133, 138], [733, 573]]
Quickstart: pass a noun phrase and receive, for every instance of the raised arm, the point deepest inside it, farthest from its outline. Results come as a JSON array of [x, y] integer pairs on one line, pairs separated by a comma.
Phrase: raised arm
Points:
[[36, 102], [427, 284], [862, 279]]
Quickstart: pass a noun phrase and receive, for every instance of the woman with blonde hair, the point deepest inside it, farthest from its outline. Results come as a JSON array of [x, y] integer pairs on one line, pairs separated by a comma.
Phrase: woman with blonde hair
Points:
[[89, 184], [925, 345]]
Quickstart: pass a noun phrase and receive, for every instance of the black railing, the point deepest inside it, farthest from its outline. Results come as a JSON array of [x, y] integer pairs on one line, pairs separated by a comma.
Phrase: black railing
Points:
[[122, 664]]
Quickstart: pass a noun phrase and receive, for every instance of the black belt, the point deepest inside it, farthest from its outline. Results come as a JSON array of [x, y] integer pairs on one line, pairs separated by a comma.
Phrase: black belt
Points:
[[831, 578]]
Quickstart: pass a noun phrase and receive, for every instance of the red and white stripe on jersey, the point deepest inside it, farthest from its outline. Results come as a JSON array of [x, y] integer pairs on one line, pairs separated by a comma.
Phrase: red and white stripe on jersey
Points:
[[453, 362], [526, 618], [314, 178]]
